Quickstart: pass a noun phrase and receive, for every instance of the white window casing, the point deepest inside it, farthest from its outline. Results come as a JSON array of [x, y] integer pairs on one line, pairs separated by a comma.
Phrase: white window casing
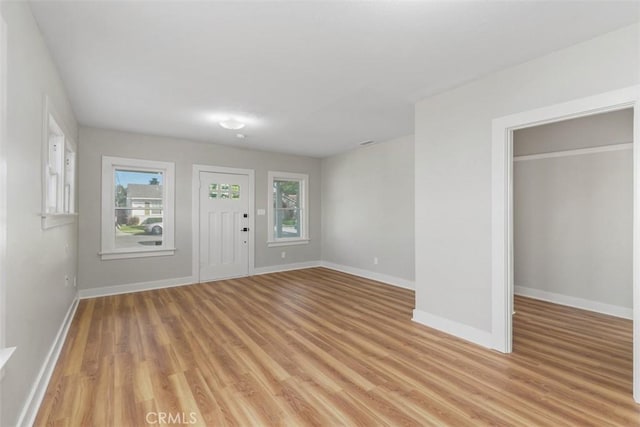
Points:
[[109, 250], [302, 204]]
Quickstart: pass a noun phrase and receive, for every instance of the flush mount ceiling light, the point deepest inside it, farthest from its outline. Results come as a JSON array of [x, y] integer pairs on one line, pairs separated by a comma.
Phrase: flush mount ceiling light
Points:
[[231, 124]]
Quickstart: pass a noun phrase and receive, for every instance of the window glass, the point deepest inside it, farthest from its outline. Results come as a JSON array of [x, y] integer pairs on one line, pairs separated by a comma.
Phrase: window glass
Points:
[[69, 180], [235, 191], [54, 170], [286, 199], [138, 208], [224, 191], [288, 209]]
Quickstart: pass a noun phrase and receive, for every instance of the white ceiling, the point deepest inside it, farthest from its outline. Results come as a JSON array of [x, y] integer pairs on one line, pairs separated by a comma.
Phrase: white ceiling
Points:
[[315, 78]]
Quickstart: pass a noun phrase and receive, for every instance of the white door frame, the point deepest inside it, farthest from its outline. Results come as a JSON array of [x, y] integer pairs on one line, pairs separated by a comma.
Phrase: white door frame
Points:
[[4, 353], [195, 213], [502, 206]]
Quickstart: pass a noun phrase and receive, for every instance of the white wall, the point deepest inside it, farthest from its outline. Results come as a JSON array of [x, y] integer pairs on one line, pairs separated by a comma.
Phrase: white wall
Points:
[[367, 209], [37, 260], [95, 143], [453, 169]]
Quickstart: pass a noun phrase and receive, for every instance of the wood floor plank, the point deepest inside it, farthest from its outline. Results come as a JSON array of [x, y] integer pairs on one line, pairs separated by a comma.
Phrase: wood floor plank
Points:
[[317, 347]]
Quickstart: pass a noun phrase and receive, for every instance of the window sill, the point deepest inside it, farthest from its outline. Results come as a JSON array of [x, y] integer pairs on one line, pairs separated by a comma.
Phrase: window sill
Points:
[[136, 254], [50, 220], [277, 243]]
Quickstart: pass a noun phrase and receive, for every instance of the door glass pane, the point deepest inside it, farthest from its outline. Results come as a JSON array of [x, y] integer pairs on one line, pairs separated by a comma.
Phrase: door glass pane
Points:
[[224, 191], [235, 191], [213, 191]]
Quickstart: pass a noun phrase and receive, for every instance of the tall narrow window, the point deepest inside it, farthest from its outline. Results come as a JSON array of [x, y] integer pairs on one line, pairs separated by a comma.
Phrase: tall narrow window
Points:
[[54, 170], [288, 208], [137, 208], [58, 174], [69, 180]]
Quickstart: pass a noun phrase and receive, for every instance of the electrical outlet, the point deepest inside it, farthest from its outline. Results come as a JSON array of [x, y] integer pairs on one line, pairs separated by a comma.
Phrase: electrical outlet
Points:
[[283, 254], [375, 260], [66, 281]]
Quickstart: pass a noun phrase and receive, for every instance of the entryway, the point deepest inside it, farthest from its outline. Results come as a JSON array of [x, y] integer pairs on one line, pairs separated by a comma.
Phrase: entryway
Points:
[[502, 207], [222, 223]]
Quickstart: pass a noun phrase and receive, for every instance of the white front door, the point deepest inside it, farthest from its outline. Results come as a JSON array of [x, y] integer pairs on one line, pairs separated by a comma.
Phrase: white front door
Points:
[[224, 225]]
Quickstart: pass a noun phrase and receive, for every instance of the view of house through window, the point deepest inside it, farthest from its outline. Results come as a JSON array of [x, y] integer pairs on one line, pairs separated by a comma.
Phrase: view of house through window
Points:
[[138, 208]]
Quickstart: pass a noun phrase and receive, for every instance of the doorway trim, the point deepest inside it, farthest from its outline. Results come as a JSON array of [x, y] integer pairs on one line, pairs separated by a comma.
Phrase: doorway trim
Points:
[[195, 214], [502, 206]]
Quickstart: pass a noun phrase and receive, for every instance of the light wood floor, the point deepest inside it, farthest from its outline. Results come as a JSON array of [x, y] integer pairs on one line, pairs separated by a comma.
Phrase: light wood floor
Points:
[[317, 347]]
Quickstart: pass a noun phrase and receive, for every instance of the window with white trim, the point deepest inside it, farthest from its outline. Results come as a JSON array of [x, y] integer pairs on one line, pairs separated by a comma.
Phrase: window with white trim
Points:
[[137, 208], [288, 208], [58, 174]]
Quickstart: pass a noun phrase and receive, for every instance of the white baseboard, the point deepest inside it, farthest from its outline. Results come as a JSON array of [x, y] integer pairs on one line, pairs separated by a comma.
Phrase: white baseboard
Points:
[[389, 280], [182, 281], [285, 267], [134, 287], [460, 330], [585, 304], [30, 409]]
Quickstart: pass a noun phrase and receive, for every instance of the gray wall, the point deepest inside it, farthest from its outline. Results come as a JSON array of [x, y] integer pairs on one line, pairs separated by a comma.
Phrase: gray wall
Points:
[[453, 165], [95, 143], [573, 226], [573, 216], [584, 132], [367, 208], [37, 260]]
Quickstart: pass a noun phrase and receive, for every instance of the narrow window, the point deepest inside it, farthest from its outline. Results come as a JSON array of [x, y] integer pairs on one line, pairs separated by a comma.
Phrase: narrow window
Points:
[[69, 181], [54, 170], [58, 173], [288, 208]]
